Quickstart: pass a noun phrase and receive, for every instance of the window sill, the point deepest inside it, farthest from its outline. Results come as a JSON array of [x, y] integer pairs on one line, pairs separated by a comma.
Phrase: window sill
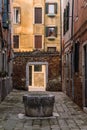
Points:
[[51, 15], [51, 38], [16, 23]]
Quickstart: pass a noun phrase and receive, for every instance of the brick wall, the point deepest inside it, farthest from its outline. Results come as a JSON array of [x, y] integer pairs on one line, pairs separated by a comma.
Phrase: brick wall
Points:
[[78, 97], [22, 58]]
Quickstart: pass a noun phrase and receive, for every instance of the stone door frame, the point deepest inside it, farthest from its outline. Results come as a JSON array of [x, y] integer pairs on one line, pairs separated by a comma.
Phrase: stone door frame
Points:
[[35, 63]]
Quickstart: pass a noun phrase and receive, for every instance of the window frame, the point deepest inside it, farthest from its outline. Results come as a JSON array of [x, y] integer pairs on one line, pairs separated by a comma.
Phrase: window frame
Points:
[[52, 36], [15, 21], [42, 42], [55, 9], [39, 70], [66, 18], [42, 14], [18, 43]]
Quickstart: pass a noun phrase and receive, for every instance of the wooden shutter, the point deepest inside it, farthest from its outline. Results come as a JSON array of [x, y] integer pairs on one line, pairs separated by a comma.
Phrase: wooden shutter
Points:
[[55, 4], [76, 57], [56, 31], [46, 8], [64, 22], [38, 42], [16, 41], [38, 15], [46, 31], [68, 6]]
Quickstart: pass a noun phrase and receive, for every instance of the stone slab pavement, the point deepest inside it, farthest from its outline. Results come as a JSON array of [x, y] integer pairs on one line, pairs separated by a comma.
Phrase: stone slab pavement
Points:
[[68, 116]]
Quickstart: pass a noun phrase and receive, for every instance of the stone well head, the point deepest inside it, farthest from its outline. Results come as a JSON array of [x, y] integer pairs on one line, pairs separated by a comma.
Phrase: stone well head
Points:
[[39, 105]]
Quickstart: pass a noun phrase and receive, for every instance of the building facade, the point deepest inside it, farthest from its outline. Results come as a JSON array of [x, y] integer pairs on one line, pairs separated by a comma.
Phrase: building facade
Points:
[[36, 27], [74, 52], [67, 56], [5, 47]]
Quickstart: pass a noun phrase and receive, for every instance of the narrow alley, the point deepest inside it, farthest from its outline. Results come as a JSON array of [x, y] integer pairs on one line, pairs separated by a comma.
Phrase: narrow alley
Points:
[[68, 116]]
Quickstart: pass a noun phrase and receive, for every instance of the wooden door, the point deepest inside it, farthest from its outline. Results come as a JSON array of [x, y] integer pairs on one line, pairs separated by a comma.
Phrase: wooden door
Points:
[[85, 60]]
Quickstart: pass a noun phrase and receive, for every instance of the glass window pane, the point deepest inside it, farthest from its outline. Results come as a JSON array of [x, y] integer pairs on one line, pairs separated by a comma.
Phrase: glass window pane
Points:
[[51, 9], [51, 31]]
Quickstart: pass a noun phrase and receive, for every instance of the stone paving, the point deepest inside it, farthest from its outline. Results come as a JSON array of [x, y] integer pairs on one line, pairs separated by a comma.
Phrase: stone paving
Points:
[[71, 117]]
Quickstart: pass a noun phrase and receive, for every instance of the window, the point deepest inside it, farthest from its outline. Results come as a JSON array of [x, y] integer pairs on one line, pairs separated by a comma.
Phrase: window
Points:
[[16, 15], [38, 68], [51, 49], [30, 75], [51, 31], [5, 16], [38, 41], [38, 15], [51, 8], [16, 41], [76, 57], [66, 18]]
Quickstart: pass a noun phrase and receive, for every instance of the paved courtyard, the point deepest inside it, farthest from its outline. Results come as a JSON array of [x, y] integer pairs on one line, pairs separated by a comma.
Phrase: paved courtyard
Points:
[[68, 116]]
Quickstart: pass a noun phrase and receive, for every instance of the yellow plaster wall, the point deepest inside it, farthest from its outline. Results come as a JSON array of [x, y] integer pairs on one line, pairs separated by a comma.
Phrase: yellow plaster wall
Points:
[[27, 29], [53, 21], [39, 76]]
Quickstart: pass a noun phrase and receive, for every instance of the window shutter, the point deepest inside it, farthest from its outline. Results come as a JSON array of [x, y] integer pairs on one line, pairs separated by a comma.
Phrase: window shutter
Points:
[[55, 4], [76, 57], [64, 22], [5, 15], [38, 15], [56, 31], [46, 31], [38, 42], [68, 15], [16, 41], [46, 8]]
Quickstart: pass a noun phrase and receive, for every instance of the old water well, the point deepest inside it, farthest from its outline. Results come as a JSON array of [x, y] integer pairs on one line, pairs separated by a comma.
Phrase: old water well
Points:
[[38, 105]]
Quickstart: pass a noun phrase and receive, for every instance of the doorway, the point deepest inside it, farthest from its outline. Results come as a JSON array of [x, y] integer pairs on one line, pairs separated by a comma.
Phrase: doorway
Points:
[[36, 76], [85, 73]]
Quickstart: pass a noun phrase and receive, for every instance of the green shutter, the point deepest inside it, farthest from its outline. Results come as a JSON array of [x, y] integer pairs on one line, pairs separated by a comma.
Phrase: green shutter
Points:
[[68, 8], [76, 57], [56, 30], [64, 22], [46, 31], [46, 8], [55, 4]]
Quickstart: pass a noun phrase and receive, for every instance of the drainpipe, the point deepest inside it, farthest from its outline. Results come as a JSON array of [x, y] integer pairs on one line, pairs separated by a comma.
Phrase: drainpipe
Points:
[[72, 33]]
